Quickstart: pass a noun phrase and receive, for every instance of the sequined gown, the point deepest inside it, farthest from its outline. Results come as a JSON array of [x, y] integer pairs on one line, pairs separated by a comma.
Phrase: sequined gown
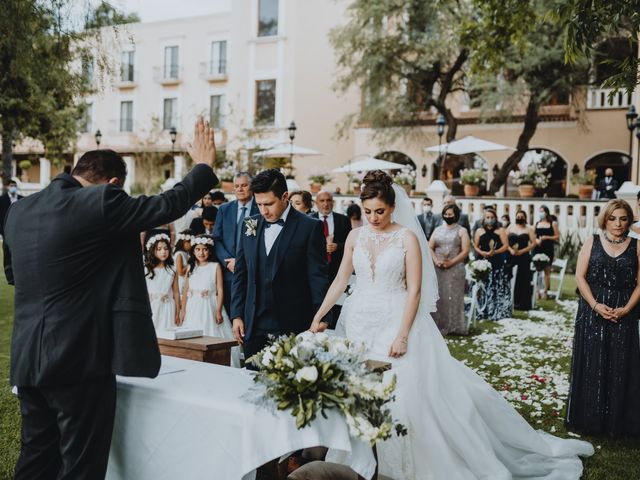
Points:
[[604, 395], [450, 309], [495, 302], [522, 288]]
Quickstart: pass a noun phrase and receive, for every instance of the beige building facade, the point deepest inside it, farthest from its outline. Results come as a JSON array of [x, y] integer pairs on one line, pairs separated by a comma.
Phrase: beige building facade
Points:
[[265, 63]]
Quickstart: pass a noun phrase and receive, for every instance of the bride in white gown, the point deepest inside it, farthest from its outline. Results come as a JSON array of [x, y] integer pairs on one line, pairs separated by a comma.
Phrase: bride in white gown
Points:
[[459, 427]]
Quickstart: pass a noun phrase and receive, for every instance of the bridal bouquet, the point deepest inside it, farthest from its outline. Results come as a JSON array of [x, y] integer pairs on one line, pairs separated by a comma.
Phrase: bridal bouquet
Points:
[[311, 373], [541, 261], [480, 270]]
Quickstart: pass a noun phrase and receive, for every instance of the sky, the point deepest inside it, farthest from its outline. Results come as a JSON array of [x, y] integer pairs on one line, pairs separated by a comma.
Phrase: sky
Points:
[[157, 10]]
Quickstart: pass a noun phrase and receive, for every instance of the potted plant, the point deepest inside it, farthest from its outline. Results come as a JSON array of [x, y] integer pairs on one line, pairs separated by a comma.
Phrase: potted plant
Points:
[[24, 165], [529, 178], [317, 180], [585, 182], [472, 179], [406, 178], [226, 174]]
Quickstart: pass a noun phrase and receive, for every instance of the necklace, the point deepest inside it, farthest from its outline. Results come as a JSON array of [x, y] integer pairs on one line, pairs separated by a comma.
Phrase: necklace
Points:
[[615, 242]]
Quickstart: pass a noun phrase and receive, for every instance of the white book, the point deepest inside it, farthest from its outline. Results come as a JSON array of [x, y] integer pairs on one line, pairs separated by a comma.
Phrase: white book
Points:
[[179, 333]]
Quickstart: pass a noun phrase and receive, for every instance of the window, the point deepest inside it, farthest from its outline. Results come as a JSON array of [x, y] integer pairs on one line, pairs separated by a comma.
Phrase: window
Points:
[[126, 67], [218, 64], [265, 102], [170, 113], [171, 62], [87, 120], [126, 116], [218, 111], [267, 18]]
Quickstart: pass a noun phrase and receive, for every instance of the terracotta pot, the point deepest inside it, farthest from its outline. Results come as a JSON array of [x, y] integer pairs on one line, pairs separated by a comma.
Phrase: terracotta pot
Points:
[[24, 177], [585, 192], [315, 187], [471, 190], [227, 186], [356, 189], [526, 191]]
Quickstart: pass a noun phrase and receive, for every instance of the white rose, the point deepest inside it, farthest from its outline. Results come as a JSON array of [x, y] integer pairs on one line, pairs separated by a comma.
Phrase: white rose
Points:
[[306, 335], [267, 358], [294, 352], [310, 374]]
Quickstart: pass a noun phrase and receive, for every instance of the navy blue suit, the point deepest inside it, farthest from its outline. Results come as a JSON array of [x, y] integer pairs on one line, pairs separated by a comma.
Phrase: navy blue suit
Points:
[[296, 280], [225, 233]]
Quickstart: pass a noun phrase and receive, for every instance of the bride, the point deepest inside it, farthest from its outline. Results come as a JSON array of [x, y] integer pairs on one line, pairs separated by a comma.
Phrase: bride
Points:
[[459, 427]]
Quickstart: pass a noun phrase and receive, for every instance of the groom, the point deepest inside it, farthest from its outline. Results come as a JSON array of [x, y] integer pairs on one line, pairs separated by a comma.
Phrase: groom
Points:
[[281, 275]]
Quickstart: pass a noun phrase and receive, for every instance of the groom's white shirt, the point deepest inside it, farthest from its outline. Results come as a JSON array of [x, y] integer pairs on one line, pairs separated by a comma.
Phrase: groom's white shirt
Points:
[[271, 233]]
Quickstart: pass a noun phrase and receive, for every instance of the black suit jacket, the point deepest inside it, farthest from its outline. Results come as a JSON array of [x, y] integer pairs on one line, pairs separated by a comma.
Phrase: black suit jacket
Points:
[[5, 203], [197, 226], [607, 191], [81, 302], [341, 229], [429, 222], [299, 276]]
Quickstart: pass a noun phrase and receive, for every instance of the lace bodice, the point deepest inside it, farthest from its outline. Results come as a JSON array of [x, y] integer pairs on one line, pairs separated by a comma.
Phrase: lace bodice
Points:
[[447, 241], [378, 259]]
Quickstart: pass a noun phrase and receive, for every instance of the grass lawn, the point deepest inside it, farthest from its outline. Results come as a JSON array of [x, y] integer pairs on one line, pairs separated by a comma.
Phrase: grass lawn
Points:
[[526, 358]]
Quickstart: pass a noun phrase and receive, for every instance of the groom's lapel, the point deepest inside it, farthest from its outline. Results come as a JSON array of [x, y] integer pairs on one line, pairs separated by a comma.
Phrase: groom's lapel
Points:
[[287, 234], [254, 244]]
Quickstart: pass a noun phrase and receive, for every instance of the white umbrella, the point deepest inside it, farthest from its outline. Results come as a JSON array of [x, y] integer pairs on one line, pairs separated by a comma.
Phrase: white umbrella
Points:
[[285, 150], [468, 144], [368, 164]]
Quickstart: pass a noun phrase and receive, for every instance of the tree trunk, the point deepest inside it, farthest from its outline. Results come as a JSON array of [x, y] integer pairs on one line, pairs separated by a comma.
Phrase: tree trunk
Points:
[[7, 154], [531, 121]]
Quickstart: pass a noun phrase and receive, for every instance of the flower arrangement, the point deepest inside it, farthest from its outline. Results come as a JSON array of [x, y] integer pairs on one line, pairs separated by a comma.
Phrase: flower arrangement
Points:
[[310, 373], [473, 176], [320, 177], [226, 173], [531, 174], [586, 178], [252, 227], [480, 270], [541, 261], [407, 176]]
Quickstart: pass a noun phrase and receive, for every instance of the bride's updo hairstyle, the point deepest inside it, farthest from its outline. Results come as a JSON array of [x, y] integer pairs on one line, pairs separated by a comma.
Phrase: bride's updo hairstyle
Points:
[[378, 184]]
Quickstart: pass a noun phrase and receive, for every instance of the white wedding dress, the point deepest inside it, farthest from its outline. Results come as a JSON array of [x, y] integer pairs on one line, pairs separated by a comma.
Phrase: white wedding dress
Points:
[[459, 427]]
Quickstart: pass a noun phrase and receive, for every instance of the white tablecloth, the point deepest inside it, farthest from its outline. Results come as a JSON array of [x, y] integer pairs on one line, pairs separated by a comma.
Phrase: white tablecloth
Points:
[[191, 423]]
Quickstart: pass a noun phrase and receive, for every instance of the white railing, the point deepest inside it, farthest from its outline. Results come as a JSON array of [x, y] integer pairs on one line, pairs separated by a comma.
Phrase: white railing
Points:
[[598, 98], [573, 215]]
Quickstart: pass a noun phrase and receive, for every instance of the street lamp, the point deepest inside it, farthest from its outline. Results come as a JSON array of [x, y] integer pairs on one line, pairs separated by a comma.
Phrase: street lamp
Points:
[[292, 135], [98, 137], [173, 133], [633, 124], [440, 123]]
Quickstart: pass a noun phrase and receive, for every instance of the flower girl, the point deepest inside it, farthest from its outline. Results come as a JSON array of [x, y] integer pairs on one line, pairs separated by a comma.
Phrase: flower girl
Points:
[[202, 298], [162, 283], [181, 256]]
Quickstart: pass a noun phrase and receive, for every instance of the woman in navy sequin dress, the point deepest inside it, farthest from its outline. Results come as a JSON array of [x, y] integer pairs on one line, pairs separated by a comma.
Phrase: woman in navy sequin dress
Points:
[[604, 395]]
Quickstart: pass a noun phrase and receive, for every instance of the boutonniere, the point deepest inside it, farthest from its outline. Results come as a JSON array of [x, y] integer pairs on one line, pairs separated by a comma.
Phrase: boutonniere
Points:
[[252, 227]]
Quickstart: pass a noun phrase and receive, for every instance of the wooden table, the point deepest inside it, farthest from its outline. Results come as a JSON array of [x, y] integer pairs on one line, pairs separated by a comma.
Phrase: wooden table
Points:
[[202, 349]]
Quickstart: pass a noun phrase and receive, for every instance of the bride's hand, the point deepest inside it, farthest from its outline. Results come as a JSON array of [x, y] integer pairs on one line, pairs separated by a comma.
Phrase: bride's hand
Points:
[[317, 326], [398, 347]]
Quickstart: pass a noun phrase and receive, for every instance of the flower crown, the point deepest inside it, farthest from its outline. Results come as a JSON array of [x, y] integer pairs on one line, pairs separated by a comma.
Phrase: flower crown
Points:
[[184, 236], [202, 241], [157, 238]]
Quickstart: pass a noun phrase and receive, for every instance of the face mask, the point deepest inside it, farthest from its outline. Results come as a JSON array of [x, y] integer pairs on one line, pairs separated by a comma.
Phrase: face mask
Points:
[[608, 176], [449, 220], [490, 222], [542, 216], [13, 190], [505, 224], [427, 208], [520, 221]]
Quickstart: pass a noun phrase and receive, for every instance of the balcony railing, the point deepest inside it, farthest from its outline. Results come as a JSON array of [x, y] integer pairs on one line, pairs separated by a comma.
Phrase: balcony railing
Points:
[[214, 71], [128, 78], [601, 98], [169, 74]]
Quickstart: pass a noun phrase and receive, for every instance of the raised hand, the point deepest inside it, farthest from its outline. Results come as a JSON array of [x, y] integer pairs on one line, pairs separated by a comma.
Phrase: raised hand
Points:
[[203, 149]]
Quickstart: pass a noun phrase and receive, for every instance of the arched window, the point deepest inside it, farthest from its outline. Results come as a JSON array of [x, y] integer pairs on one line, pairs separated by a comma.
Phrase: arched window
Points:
[[556, 168], [619, 162]]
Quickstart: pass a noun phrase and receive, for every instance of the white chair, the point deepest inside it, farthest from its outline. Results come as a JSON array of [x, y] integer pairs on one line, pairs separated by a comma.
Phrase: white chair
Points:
[[514, 274], [535, 280], [561, 264]]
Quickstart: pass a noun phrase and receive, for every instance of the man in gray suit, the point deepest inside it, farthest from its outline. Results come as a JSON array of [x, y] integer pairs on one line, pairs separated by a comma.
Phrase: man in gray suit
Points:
[[427, 218]]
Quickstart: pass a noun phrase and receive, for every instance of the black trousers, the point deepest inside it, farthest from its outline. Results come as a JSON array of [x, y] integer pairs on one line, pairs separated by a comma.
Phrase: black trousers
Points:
[[66, 430]]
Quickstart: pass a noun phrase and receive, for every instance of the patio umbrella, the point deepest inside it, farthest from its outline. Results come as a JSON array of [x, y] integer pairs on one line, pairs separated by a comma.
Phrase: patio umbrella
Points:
[[286, 150], [468, 144], [368, 164]]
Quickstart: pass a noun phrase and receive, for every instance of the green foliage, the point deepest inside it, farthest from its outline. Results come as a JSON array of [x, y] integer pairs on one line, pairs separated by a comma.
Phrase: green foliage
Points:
[[25, 165], [586, 178], [473, 176], [569, 248], [105, 15], [406, 56]]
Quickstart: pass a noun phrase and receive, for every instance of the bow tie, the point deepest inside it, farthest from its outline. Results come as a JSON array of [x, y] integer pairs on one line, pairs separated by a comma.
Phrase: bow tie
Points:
[[277, 222]]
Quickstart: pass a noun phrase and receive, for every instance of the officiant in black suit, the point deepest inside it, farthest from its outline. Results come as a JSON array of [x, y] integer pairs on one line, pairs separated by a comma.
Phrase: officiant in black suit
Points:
[[281, 275], [608, 185], [7, 199], [336, 228], [82, 312]]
